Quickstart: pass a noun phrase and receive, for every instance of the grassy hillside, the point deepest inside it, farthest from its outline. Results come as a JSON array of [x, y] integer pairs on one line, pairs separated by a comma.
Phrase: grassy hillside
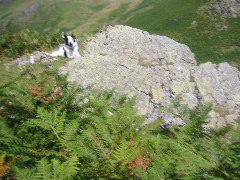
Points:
[[172, 18], [80, 16], [46, 15]]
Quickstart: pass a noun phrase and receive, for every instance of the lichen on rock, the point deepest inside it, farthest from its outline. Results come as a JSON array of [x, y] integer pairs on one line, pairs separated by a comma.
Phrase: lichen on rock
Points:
[[228, 8], [155, 69]]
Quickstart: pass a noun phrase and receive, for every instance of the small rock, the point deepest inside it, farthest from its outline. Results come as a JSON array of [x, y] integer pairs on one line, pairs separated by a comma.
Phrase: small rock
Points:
[[194, 24], [222, 27]]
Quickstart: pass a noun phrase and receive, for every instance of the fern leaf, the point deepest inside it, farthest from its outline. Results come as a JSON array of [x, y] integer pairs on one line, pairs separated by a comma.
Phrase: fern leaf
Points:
[[43, 170]]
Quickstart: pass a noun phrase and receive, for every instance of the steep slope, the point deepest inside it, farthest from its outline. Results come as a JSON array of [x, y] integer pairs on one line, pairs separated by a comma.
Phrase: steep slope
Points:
[[44, 15], [213, 39], [11, 11], [48, 15]]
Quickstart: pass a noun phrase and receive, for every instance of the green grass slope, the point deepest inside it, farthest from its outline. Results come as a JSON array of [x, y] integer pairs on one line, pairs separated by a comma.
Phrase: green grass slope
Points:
[[45, 15], [173, 18], [83, 17]]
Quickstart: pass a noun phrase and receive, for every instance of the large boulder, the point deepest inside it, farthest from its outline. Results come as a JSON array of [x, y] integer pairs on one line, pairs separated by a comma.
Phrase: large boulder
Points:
[[156, 69]]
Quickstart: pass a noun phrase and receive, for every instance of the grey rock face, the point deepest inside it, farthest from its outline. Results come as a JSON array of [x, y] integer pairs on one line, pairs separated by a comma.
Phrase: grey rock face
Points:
[[156, 69], [228, 8], [219, 84]]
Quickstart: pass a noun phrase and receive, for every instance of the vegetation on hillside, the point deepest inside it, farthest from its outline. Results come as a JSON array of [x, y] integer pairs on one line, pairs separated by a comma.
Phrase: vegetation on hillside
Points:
[[211, 38], [13, 45], [50, 129]]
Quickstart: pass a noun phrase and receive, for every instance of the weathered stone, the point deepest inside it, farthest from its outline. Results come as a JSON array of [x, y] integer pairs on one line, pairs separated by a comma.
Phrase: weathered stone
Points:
[[228, 8], [156, 69], [220, 84]]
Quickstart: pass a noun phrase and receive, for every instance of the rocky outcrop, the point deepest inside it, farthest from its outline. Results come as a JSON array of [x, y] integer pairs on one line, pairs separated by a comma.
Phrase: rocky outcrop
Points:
[[228, 8], [156, 69], [34, 58], [219, 84]]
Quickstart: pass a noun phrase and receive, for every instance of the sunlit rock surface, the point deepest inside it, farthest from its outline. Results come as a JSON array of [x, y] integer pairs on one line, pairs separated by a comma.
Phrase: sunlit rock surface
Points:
[[156, 69], [228, 8]]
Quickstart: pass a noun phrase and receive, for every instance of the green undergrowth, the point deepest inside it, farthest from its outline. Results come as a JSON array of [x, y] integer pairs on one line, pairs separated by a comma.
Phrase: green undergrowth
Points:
[[50, 129], [13, 45]]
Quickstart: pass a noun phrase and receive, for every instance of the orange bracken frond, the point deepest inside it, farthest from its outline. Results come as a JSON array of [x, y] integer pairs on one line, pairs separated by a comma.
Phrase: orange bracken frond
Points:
[[4, 169], [139, 162], [40, 93]]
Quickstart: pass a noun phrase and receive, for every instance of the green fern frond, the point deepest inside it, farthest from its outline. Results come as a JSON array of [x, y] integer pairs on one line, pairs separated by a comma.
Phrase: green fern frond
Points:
[[69, 168], [56, 170], [43, 170], [102, 131], [124, 153]]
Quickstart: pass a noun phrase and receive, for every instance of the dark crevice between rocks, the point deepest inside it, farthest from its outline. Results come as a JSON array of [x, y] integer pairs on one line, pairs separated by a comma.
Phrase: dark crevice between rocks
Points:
[[170, 80], [151, 98], [123, 66], [150, 116], [196, 90], [146, 93], [198, 94]]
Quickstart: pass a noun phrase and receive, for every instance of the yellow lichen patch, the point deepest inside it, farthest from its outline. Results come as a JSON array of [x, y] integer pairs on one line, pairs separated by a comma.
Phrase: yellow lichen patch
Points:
[[157, 93]]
